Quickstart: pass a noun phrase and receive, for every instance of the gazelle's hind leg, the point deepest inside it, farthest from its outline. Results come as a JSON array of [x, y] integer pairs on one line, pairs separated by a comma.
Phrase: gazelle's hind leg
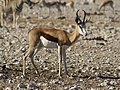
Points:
[[29, 51], [32, 56], [33, 44]]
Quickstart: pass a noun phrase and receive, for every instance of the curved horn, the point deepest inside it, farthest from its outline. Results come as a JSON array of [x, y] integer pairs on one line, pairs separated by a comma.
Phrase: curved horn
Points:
[[77, 13], [77, 17], [84, 15]]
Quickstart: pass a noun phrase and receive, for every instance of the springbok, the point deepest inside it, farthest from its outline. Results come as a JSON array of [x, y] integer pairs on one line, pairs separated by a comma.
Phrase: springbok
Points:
[[14, 6], [49, 5], [106, 3], [101, 3], [39, 37], [57, 4], [68, 3]]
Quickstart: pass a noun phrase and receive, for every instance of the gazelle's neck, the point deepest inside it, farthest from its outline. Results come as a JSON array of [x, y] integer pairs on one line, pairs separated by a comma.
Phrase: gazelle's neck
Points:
[[73, 36]]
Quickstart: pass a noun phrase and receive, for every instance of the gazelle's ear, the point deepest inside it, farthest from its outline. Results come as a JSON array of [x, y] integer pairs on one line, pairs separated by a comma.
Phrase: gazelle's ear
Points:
[[88, 20]]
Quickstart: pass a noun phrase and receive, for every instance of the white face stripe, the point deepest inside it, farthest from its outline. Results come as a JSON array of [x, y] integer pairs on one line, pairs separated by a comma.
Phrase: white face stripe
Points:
[[82, 30]]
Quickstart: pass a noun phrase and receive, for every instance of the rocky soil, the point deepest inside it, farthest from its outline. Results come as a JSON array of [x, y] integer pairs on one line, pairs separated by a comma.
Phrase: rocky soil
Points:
[[93, 62]]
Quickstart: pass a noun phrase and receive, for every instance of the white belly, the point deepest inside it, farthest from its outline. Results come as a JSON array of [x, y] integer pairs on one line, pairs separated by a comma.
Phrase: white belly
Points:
[[48, 44]]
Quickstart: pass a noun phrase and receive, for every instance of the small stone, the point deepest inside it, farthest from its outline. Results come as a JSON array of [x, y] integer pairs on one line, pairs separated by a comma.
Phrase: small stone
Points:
[[10, 81], [118, 74], [104, 83], [81, 80], [118, 68], [23, 49], [111, 88], [48, 50], [74, 88], [8, 88], [1, 76], [21, 85], [46, 68], [55, 81], [92, 89], [112, 83], [32, 85], [13, 41], [66, 88], [71, 77], [53, 71]]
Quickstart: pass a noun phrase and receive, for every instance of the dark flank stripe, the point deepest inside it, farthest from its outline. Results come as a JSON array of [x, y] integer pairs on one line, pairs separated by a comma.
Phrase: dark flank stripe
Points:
[[49, 37]]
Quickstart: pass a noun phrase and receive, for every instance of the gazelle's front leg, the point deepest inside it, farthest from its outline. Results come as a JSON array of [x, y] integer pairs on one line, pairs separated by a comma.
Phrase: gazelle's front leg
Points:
[[60, 58], [14, 19], [64, 59], [2, 18]]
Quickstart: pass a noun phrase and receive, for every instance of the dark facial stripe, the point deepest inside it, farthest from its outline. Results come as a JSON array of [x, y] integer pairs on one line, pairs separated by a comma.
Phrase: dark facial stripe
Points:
[[81, 28]]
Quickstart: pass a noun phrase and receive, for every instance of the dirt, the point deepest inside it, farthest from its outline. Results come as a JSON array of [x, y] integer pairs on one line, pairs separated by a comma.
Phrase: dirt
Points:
[[93, 62]]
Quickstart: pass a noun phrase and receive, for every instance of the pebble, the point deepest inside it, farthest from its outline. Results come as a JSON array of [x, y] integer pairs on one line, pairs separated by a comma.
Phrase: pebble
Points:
[[21, 85], [92, 89], [32, 85], [57, 81], [23, 49], [1, 76], [119, 74], [81, 80], [8, 88], [112, 83], [105, 83], [112, 88], [74, 88], [118, 68], [66, 88]]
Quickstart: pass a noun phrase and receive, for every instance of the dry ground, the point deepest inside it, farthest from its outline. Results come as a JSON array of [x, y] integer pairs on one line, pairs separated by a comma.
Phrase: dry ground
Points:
[[93, 62]]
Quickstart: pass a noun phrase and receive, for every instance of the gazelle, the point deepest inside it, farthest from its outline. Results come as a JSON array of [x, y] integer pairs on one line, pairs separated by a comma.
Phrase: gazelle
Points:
[[106, 3], [14, 7], [67, 3], [49, 5], [53, 38], [57, 4]]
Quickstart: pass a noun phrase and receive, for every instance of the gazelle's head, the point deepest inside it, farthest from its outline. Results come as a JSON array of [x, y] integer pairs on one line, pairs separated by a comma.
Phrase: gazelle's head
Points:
[[81, 23]]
